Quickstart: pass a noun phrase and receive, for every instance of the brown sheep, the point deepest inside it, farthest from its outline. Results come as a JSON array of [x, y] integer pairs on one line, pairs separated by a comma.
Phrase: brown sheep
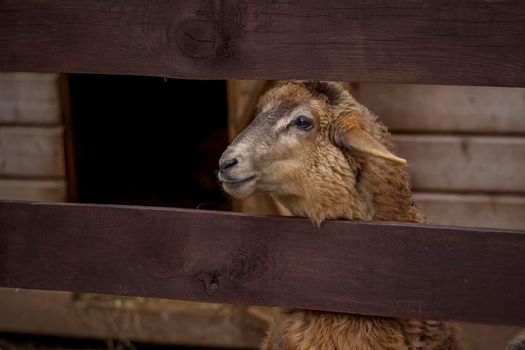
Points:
[[325, 156]]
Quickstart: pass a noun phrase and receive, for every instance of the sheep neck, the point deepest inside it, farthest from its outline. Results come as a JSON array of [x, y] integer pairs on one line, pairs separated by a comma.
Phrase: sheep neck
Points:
[[374, 189]]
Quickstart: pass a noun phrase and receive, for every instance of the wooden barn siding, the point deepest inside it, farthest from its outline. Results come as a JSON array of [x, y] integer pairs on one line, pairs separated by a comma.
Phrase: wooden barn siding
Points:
[[465, 146], [405, 41], [464, 163], [32, 152], [31, 138], [33, 190], [29, 99], [446, 109], [475, 210]]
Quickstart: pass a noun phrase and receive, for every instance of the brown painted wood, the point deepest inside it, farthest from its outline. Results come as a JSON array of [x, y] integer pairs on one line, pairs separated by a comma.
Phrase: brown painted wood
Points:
[[389, 269], [469, 42]]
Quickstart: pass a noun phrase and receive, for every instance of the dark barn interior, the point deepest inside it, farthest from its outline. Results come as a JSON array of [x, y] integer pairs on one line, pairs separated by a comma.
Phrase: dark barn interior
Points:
[[148, 141]]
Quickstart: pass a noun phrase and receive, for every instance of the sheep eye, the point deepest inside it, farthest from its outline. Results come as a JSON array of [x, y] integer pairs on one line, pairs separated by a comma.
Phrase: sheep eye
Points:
[[303, 122]]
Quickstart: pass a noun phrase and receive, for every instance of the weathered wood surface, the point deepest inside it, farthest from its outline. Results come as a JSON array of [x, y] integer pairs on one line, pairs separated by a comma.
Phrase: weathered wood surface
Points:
[[29, 99], [475, 210], [464, 163], [32, 152], [388, 269], [134, 319], [449, 109], [441, 42]]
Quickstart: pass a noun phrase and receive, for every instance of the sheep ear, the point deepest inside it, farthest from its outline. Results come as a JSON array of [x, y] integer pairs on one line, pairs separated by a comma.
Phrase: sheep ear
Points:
[[349, 134]]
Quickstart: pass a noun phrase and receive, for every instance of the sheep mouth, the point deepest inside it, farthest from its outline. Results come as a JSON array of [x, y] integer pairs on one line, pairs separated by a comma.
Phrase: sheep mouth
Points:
[[238, 183]]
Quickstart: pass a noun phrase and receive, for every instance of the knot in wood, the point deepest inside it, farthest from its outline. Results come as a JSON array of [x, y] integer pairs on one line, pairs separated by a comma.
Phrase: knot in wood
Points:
[[197, 38], [210, 282]]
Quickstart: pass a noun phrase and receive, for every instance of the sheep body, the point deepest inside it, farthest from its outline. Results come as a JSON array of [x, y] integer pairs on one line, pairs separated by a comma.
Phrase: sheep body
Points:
[[307, 330]]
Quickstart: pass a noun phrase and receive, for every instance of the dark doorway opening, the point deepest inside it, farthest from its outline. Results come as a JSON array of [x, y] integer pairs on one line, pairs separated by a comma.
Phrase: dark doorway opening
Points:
[[148, 141]]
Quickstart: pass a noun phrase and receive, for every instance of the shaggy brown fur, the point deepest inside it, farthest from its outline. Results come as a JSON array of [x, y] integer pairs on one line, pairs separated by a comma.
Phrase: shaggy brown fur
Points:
[[339, 164]]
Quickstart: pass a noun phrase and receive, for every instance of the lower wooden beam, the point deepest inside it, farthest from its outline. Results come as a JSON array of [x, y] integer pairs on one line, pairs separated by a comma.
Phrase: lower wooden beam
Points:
[[388, 269], [142, 320]]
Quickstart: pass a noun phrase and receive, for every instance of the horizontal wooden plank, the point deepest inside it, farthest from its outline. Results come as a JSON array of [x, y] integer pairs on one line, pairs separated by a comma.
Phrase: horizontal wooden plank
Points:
[[464, 163], [33, 190], [474, 210], [141, 320], [389, 269], [27, 98], [466, 42], [28, 77], [436, 108], [32, 152]]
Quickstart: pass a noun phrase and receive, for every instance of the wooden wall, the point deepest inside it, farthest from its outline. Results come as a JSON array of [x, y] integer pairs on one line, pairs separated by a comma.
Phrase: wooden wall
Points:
[[32, 160], [465, 148]]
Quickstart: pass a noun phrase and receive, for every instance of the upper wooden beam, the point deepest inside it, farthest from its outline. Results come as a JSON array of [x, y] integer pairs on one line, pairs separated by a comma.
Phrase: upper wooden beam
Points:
[[388, 269], [464, 42]]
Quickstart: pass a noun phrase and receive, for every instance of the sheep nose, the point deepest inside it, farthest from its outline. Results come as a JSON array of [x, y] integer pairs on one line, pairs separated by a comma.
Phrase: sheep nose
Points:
[[227, 164]]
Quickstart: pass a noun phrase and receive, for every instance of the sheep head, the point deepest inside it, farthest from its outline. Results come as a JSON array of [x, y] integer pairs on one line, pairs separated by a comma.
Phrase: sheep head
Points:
[[306, 146]]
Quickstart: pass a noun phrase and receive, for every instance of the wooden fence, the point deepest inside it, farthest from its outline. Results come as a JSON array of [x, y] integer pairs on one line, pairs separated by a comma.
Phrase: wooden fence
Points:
[[388, 269], [402, 270], [464, 42]]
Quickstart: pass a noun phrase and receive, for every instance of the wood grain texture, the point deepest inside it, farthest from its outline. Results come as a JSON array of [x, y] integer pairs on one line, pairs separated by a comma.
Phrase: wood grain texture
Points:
[[29, 99], [403, 270], [464, 163], [434, 108], [467, 42], [474, 210], [32, 152], [156, 321]]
